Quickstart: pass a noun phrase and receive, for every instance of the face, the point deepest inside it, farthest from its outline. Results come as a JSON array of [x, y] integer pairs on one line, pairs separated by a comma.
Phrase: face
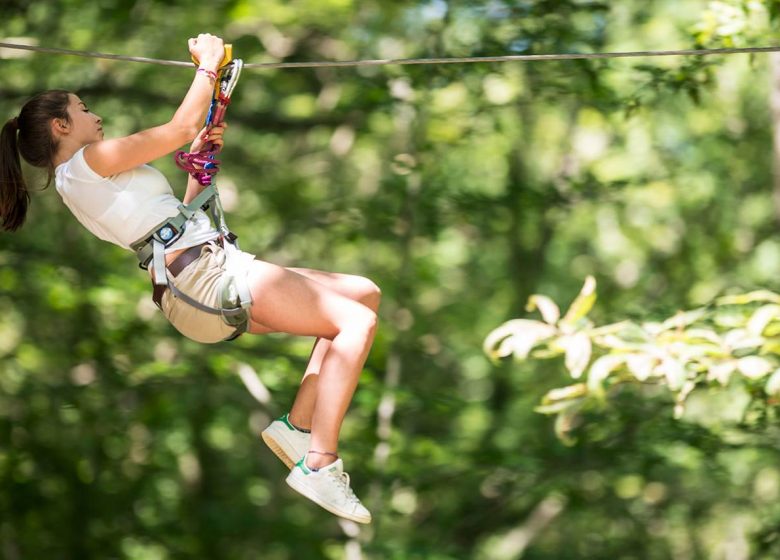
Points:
[[85, 126]]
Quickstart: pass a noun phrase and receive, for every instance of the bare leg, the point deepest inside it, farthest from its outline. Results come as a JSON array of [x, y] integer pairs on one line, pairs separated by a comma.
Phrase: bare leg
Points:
[[356, 288], [303, 407], [286, 301]]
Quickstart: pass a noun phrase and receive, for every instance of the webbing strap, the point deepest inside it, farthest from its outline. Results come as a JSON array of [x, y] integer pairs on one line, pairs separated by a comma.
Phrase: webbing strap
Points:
[[205, 308], [144, 247], [160, 272], [238, 275]]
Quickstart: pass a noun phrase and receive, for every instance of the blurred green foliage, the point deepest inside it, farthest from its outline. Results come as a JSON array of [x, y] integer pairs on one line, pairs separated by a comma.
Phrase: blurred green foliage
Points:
[[461, 190]]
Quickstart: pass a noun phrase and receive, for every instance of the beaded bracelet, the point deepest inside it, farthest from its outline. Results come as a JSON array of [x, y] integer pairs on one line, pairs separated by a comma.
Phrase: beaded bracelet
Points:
[[211, 74]]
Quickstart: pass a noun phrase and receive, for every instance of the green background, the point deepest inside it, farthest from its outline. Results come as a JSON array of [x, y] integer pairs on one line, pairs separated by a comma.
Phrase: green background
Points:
[[459, 189]]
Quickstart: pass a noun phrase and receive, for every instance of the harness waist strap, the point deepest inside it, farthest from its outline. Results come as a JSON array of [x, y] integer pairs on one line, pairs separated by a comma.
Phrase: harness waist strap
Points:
[[178, 264]]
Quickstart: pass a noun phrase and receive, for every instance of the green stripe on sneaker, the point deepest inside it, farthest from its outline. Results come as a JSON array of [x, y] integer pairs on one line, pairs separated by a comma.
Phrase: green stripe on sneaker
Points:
[[286, 420], [302, 465]]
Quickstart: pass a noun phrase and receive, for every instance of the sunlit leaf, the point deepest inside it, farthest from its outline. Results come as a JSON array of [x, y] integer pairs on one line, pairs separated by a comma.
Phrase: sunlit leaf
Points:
[[754, 367], [679, 404], [565, 422], [578, 350], [546, 306], [773, 384], [683, 319], [615, 342], [627, 330], [602, 368], [583, 303], [730, 318], [770, 347], [652, 327], [673, 371], [721, 372], [761, 318], [557, 407], [751, 297], [703, 334], [689, 352], [564, 393], [738, 339], [640, 365], [772, 329], [516, 337]]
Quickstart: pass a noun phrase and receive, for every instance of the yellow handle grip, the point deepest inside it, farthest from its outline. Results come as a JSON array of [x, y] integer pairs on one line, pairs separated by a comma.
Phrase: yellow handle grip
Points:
[[225, 61]]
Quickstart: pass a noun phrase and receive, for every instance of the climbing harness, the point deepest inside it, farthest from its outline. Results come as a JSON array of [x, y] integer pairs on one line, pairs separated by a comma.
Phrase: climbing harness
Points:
[[203, 166]]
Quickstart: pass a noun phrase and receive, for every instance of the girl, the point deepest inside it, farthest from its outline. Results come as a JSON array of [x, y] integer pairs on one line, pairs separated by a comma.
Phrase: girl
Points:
[[111, 190]]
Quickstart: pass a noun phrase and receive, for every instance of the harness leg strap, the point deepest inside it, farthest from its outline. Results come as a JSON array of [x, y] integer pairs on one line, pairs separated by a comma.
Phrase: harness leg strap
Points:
[[238, 273], [160, 272]]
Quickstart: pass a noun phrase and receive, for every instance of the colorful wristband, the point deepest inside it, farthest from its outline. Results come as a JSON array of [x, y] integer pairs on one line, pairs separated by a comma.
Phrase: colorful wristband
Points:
[[210, 73]]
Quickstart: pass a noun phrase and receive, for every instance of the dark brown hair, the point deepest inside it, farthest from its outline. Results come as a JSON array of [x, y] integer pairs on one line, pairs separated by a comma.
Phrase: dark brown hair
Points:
[[30, 135]]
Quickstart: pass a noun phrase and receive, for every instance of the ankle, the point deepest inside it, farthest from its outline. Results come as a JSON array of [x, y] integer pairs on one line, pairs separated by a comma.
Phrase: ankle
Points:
[[299, 424], [316, 460]]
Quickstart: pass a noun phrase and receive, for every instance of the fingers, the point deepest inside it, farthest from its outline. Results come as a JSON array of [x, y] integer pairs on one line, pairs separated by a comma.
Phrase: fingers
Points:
[[214, 134], [205, 40]]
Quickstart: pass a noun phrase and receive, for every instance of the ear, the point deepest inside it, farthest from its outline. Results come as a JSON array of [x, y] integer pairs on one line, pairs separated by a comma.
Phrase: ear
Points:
[[60, 126]]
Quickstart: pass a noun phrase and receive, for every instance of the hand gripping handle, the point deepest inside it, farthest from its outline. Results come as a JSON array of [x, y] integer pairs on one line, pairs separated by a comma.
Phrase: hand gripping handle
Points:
[[225, 60]]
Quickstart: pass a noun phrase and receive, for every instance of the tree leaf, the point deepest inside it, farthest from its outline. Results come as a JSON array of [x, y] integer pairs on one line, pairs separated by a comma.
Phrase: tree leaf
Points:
[[679, 404], [721, 372], [583, 302], [674, 372], [640, 365], [751, 297], [578, 351], [626, 330], [773, 384], [564, 393], [601, 369], [761, 318], [754, 367], [691, 352], [565, 422], [683, 319], [546, 306], [517, 337], [703, 334], [738, 339], [614, 342], [557, 407]]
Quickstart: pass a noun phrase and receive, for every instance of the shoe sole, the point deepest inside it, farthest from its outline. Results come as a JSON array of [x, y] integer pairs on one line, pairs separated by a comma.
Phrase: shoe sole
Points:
[[306, 491], [274, 446]]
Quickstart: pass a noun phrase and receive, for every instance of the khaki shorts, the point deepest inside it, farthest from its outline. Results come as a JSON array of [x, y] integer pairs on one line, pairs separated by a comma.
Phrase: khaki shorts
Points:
[[206, 281]]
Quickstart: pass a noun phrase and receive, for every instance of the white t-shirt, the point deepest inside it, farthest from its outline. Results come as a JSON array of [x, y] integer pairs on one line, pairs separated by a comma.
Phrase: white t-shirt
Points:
[[124, 207]]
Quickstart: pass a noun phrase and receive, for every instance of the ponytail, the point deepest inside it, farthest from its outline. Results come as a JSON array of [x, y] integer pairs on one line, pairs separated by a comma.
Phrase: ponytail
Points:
[[29, 135], [14, 196]]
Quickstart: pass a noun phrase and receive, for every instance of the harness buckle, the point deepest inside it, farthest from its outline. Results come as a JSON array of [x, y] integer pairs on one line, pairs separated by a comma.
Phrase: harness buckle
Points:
[[167, 234]]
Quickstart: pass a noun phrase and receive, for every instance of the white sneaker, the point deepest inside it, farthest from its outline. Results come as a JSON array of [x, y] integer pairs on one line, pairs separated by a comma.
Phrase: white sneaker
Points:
[[289, 444], [329, 488]]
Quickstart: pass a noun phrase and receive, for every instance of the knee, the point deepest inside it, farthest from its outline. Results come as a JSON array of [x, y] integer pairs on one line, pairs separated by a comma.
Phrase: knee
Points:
[[371, 295], [364, 321], [370, 322]]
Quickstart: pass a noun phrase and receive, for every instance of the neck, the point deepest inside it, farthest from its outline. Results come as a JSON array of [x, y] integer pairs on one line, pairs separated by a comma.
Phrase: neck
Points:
[[65, 151]]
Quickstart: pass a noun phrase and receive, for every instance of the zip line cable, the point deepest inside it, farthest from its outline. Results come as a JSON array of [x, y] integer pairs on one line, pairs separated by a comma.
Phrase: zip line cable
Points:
[[409, 61]]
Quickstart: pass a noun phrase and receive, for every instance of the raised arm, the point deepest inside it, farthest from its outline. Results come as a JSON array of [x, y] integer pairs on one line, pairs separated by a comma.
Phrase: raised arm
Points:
[[110, 157]]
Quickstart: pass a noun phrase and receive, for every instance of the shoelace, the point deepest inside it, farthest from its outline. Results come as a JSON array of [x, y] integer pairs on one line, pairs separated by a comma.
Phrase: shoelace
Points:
[[343, 481]]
